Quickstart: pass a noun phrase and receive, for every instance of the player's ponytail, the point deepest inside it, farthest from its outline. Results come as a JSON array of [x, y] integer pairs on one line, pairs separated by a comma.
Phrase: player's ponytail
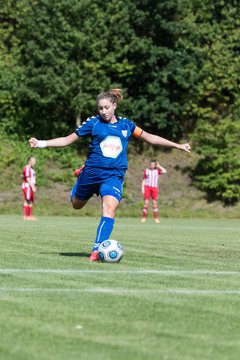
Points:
[[117, 94], [114, 95]]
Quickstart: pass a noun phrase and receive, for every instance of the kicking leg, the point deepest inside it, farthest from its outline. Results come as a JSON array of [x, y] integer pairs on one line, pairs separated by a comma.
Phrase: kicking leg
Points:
[[78, 204]]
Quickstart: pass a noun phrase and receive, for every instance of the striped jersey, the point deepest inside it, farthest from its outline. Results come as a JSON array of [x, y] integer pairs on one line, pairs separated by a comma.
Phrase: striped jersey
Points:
[[28, 172], [151, 177]]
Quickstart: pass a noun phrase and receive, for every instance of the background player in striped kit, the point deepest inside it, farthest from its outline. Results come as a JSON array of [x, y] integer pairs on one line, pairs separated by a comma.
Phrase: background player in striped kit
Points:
[[150, 188], [29, 188], [105, 167]]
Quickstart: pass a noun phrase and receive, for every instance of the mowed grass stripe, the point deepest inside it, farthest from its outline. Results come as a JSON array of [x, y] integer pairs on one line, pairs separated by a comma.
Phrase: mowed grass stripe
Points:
[[194, 272], [122, 291]]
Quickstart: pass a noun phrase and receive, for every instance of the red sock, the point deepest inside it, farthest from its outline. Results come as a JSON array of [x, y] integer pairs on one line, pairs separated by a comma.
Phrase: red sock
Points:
[[30, 211], [145, 210], [25, 210], [155, 212]]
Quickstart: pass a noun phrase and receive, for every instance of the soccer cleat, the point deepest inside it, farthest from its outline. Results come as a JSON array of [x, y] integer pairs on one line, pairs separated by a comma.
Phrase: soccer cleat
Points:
[[156, 221], [78, 171], [94, 256], [143, 220], [31, 218]]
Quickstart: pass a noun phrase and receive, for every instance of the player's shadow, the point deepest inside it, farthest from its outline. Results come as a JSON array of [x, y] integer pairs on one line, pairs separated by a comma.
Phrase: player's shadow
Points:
[[83, 254], [77, 254]]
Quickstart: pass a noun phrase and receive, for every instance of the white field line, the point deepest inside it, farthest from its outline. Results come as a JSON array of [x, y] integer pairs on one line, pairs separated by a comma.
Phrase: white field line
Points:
[[122, 291], [196, 272]]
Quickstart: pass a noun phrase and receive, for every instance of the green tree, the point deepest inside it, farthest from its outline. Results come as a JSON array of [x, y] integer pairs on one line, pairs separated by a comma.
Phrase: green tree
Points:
[[212, 31], [71, 51], [11, 73], [155, 92]]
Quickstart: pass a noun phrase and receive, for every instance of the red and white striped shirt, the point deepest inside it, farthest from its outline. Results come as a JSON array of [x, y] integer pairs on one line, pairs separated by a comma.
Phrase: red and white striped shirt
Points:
[[151, 177], [28, 172]]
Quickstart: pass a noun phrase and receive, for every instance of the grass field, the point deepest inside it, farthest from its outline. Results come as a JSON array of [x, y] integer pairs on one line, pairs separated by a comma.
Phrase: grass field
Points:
[[175, 295]]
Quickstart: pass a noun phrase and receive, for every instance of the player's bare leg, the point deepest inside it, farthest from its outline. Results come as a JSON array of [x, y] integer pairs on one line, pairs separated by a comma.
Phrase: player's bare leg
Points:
[[77, 203], [109, 206], [145, 210], [155, 212]]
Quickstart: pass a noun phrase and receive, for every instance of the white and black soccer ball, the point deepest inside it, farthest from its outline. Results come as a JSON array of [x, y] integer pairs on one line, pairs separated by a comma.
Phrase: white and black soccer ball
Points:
[[110, 251]]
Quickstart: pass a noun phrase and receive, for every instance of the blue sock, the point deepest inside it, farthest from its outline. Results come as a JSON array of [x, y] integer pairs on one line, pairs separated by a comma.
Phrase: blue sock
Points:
[[104, 230]]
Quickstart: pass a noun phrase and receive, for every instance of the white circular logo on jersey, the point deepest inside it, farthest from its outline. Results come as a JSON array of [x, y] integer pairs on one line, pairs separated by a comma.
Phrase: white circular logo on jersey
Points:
[[111, 146]]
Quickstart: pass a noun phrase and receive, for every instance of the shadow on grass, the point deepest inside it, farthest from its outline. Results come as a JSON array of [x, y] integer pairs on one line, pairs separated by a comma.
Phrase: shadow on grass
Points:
[[78, 254]]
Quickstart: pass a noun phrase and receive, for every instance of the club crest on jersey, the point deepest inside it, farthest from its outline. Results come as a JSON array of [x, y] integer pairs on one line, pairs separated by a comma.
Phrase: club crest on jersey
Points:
[[111, 146], [124, 132]]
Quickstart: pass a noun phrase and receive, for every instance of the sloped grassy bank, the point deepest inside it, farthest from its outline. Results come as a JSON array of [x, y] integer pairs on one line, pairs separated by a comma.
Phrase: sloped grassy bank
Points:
[[178, 196]]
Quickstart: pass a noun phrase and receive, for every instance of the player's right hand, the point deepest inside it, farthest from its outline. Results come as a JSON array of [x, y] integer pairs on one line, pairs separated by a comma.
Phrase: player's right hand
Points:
[[33, 142]]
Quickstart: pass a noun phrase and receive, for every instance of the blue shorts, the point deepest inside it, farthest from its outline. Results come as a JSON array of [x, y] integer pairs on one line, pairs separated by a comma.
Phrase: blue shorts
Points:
[[111, 186]]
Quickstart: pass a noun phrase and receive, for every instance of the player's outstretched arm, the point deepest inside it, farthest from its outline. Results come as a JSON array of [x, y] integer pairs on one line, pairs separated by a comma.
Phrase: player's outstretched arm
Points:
[[58, 142], [159, 141]]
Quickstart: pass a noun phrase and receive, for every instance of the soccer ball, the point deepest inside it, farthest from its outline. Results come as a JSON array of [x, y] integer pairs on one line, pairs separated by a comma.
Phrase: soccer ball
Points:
[[110, 251]]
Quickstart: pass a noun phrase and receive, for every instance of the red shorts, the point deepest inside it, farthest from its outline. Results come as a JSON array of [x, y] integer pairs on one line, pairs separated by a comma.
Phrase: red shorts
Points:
[[28, 194], [150, 192]]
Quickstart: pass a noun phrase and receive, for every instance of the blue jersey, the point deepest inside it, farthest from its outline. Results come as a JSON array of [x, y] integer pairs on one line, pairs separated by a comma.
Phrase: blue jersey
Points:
[[108, 148]]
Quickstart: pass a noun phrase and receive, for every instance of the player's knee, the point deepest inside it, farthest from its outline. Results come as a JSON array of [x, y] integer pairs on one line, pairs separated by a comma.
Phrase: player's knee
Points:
[[78, 204], [75, 206], [109, 213], [108, 210]]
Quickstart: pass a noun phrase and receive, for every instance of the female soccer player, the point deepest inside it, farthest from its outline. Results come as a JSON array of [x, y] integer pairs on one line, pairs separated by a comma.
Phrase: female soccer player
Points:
[[150, 188], [29, 188], [106, 164]]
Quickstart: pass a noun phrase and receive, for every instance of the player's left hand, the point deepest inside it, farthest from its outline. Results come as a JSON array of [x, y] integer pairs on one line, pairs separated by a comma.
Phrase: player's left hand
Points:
[[186, 147]]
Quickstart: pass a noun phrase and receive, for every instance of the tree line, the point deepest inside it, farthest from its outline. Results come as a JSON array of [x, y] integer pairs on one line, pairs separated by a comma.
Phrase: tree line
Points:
[[178, 63]]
